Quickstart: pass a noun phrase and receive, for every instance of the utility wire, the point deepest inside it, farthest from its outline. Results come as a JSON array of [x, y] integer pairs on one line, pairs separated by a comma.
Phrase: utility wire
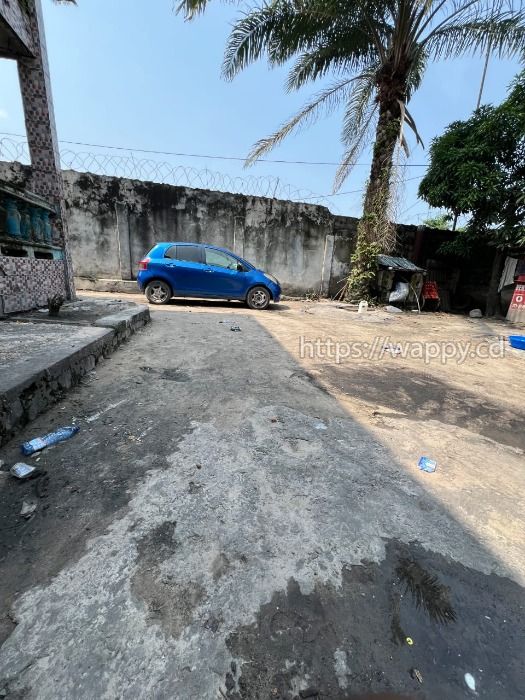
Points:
[[208, 156], [339, 194]]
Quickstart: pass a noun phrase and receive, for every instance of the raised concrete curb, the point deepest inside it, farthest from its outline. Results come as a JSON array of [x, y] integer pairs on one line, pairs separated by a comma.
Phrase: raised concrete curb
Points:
[[31, 387], [125, 322]]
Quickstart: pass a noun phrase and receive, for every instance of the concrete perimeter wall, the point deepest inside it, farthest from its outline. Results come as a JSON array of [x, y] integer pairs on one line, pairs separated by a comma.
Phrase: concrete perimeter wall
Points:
[[113, 222]]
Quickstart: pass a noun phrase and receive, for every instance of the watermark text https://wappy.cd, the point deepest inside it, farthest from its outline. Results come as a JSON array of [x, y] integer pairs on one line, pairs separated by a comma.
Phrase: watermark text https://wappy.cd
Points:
[[459, 351]]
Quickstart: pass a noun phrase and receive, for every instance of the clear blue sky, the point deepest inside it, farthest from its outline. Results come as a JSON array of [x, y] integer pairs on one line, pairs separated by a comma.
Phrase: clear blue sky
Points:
[[135, 74]]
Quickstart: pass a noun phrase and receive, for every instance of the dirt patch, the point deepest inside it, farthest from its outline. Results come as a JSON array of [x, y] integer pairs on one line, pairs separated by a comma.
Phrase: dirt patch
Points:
[[221, 565], [421, 396], [169, 603], [415, 614], [171, 374]]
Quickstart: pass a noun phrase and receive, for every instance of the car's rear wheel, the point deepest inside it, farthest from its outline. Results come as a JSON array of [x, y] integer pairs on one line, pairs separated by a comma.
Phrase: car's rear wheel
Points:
[[158, 292], [258, 298]]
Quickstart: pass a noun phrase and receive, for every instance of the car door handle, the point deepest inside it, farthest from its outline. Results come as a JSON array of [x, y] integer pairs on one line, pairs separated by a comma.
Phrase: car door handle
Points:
[[208, 270]]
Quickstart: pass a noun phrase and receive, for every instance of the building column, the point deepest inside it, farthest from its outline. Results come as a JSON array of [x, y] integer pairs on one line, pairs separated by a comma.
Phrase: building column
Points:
[[238, 236], [35, 86], [326, 270], [124, 242]]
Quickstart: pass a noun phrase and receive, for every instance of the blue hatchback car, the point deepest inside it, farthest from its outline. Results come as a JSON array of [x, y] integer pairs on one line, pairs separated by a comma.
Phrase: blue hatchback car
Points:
[[200, 270]]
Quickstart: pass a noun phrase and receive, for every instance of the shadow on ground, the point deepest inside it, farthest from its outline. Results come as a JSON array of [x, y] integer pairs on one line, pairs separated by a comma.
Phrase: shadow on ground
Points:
[[214, 304], [423, 397], [413, 625]]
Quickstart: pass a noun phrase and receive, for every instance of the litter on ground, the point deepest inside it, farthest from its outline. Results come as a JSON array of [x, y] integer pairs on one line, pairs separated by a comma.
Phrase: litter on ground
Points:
[[427, 465], [22, 470], [50, 439]]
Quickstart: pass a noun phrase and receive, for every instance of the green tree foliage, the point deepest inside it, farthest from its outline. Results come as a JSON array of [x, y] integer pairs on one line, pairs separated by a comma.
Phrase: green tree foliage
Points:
[[441, 221], [477, 168], [376, 52]]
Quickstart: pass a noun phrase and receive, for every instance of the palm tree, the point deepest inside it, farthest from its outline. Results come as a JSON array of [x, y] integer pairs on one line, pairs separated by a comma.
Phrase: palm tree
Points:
[[377, 52]]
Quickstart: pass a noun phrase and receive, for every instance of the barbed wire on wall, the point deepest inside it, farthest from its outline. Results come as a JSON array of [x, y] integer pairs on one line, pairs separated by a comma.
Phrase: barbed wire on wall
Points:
[[164, 172]]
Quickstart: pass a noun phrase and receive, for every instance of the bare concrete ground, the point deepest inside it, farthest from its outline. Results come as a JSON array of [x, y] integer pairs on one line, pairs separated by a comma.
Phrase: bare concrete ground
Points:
[[235, 520]]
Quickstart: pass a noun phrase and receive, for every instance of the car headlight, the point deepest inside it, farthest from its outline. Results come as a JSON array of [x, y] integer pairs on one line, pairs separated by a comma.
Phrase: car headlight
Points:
[[274, 279]]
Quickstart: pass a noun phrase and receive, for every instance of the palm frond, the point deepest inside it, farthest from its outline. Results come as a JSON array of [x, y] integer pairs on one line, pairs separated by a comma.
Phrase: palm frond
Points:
[[416, 71], [504, 32], [427, 592], [353, 152], [358, 104], [191, 8], [320, 31], [318, 63], [375, 48], [440, 12], [409, 119], [358, 123], [323, 103], [252, 35]]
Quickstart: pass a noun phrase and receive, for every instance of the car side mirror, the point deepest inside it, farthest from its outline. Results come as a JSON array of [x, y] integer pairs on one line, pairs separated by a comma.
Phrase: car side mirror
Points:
[[240, 268]]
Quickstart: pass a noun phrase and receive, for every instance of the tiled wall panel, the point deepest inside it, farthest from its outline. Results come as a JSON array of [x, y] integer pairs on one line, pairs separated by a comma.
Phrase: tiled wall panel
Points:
[[26, 283]]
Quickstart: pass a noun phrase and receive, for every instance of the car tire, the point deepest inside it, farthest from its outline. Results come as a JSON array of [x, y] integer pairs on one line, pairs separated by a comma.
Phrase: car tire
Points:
[[258, 298], [158, 292]]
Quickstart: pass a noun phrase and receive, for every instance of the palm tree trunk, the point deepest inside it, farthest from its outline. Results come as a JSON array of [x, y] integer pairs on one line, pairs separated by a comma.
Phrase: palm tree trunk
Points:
[[377, 197], [375, 232]]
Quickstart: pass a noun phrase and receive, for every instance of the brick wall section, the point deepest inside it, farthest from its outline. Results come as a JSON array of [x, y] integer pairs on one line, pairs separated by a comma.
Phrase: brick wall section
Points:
[[15, 17], [35, 85], [45, 177], [26, 282]]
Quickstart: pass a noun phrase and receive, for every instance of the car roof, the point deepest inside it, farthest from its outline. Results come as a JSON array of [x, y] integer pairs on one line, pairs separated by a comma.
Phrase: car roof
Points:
[[200, 245]]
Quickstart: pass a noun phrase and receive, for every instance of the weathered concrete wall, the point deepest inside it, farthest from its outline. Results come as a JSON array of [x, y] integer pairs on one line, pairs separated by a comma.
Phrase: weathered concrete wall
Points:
[[113, 222]]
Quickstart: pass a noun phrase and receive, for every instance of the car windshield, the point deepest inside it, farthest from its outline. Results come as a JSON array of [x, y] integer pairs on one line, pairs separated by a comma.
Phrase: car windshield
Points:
[[246, 263]]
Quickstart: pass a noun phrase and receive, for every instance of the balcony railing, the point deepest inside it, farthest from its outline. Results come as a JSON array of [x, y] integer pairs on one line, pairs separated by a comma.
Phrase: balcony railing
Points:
[[28, 225]]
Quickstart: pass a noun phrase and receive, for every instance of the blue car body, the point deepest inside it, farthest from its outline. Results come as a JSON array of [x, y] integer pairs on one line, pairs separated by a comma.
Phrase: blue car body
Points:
[[211, 272]]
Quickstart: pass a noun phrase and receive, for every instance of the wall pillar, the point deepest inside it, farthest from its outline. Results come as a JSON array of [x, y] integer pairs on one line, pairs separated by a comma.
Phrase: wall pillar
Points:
[[124, 243], [238, 236], [35, 86], [326, 271]]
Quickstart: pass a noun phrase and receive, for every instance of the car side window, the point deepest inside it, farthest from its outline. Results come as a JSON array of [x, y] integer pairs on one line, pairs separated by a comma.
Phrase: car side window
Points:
[[189, 253], [171, 252], [219, 259]]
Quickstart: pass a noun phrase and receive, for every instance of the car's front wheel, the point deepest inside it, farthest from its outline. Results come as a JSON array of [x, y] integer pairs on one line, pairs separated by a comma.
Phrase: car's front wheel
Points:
[[258, 298], [158, 292]]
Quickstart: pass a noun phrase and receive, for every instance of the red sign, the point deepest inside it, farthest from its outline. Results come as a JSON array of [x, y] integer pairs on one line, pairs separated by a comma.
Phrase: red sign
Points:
[[517, 305]]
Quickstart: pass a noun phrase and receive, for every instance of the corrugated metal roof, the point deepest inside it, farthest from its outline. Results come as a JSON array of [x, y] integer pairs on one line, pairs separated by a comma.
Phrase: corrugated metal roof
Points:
[[401, 264]]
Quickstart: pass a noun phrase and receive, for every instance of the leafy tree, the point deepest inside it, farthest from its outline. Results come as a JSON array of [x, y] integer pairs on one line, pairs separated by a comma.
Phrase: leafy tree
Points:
[[441, 221], [477, 168], [377, 52]]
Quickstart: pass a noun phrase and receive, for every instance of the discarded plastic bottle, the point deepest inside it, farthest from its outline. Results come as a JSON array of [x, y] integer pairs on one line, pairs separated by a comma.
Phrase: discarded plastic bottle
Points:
[[50, 439]]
